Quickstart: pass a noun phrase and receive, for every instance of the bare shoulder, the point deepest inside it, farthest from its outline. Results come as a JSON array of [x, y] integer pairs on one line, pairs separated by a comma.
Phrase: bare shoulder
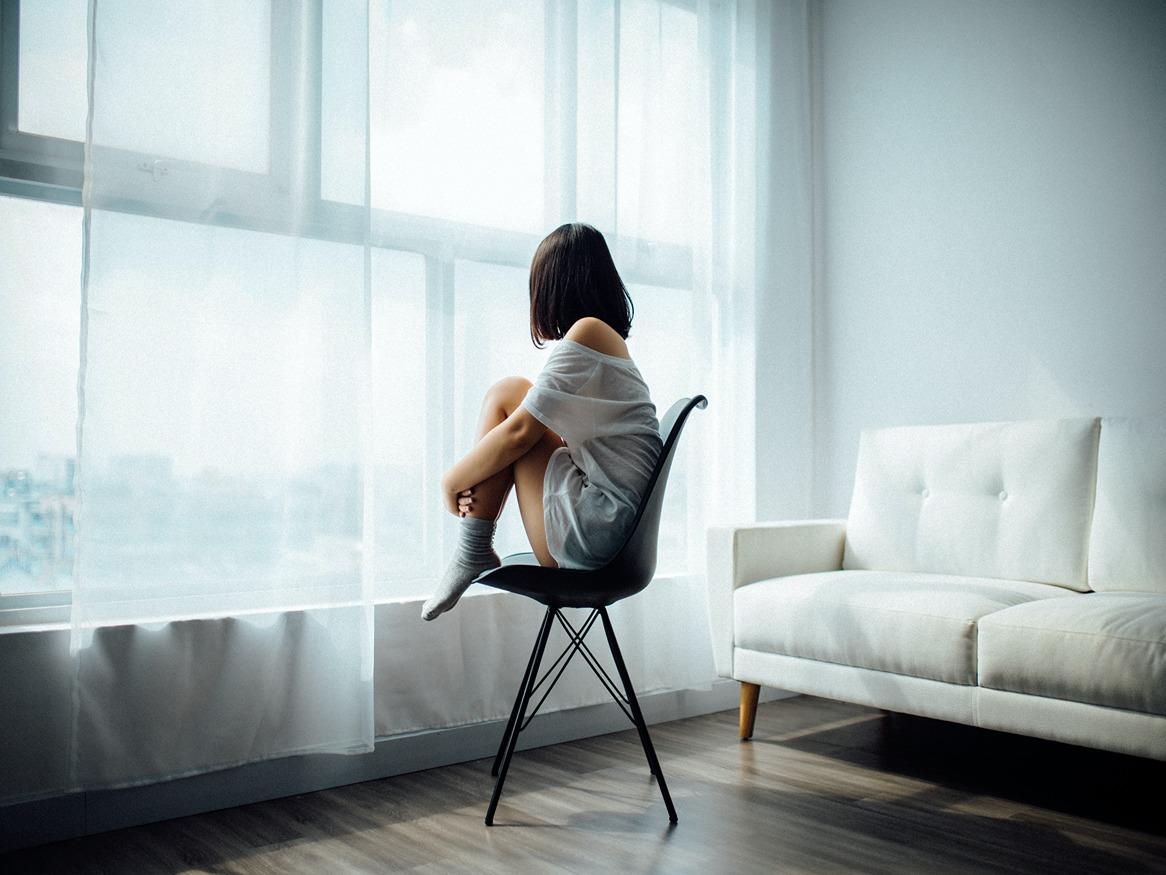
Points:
[[598, 335]]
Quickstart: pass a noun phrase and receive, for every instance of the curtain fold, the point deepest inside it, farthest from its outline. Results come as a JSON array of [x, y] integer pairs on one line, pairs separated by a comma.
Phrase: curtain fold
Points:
[[224, 397]]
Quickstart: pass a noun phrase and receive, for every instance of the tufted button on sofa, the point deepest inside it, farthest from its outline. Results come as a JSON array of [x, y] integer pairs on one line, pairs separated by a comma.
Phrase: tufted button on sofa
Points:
[[1007, 575]]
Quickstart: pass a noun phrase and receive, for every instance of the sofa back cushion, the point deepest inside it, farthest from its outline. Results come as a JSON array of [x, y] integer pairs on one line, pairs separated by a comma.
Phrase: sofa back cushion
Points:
[[1127, 549], [997, 499]]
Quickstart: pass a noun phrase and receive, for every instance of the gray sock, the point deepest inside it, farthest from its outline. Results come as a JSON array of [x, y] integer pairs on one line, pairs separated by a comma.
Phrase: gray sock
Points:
[[474, 554]]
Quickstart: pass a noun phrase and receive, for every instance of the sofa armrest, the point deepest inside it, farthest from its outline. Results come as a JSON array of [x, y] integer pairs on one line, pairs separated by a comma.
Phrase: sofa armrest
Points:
[[739, 555]]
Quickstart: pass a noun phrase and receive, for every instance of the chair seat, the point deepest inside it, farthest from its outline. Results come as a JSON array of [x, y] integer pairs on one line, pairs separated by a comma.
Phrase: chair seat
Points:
[[521, 574], [520, 559]]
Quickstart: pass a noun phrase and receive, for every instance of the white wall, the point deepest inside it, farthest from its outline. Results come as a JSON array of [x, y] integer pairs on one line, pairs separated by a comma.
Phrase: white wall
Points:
[[992, 216], [784, 263]]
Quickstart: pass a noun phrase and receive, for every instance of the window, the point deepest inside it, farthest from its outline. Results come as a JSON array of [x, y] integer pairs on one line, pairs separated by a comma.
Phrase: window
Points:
[[40, 248], [215, 452], [193, 52], [405, 378], [539, 113], [458, 101], [657, 110], [51, 64]]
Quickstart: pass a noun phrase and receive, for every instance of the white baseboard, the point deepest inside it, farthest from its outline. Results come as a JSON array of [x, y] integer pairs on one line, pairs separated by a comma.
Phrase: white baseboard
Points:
[[55, 818]]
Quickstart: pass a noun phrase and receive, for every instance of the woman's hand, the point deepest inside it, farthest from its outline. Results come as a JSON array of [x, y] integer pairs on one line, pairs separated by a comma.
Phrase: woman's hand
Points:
[[458, 503], [465, 501]]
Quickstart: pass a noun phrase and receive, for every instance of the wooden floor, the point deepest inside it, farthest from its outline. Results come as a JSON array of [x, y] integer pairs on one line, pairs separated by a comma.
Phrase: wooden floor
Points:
[[823, 787]]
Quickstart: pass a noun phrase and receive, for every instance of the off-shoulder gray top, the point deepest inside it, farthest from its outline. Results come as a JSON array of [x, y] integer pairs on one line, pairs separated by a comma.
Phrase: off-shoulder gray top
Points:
[[600, 405]]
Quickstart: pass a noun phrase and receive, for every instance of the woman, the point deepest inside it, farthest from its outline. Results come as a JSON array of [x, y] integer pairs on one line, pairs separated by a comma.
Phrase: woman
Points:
[[578, 445]]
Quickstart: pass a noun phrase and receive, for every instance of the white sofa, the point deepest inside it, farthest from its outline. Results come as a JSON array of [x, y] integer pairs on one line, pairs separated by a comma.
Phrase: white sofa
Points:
[[1005, 575]]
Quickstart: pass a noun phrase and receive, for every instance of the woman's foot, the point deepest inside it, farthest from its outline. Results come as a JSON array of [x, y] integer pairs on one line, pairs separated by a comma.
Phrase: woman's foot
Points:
[[475, 554]]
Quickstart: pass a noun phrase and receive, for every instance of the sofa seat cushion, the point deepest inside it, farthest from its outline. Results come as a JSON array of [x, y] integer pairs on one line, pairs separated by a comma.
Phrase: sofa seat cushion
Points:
[[1100, 648], [910, 623]]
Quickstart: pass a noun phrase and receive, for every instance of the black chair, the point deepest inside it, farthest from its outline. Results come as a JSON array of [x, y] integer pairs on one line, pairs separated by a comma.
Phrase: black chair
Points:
[[629, 572]]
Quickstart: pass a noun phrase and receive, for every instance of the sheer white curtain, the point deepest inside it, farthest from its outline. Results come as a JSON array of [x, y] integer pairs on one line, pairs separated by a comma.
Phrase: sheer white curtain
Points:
[[308, 227], [641, 118], [222, 604]]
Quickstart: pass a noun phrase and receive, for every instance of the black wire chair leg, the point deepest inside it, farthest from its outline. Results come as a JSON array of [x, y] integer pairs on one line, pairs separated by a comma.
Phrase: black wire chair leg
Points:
[[637, 715], [524, 700], [514, 711]]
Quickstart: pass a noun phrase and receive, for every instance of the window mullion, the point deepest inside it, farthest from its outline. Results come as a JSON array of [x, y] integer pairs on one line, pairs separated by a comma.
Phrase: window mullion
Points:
[[9, 65], [560, 100], [439, 389], [296, 93]]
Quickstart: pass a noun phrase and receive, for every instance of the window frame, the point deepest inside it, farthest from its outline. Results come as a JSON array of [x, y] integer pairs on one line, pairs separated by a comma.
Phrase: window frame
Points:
[[31, 165]]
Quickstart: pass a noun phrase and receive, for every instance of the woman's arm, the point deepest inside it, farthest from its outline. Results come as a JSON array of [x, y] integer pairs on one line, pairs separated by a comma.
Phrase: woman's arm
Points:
[[499, 448]]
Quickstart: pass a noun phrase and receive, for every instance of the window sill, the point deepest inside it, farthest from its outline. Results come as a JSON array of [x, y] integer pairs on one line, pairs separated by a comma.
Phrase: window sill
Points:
[[48, 612]]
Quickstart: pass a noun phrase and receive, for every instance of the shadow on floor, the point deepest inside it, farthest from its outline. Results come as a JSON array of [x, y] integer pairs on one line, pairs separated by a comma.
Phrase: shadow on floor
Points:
[[1094, 784]]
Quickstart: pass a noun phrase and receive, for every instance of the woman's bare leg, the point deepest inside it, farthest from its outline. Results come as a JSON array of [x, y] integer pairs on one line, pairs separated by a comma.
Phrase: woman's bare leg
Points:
[[500, 401], [489, 496], [529, 472], [481, 505]]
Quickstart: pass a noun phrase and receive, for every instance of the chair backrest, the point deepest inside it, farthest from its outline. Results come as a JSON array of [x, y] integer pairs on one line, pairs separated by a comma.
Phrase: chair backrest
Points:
[[635, 563]]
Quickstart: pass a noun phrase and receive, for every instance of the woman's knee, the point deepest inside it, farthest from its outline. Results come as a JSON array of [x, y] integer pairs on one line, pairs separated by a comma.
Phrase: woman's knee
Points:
[[537, 456], [550, 442], [508, 392]]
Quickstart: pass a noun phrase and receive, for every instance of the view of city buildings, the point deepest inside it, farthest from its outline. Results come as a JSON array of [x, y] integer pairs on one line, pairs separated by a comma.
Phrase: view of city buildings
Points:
[[37, 525], [142, 523]]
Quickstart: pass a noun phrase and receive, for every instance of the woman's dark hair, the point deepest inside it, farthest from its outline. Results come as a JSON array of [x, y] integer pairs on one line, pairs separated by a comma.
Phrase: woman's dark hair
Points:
[[572, 276]]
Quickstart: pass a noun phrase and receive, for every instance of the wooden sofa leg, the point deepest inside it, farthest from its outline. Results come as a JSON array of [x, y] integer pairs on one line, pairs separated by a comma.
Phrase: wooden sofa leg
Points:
[[749, 693]]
